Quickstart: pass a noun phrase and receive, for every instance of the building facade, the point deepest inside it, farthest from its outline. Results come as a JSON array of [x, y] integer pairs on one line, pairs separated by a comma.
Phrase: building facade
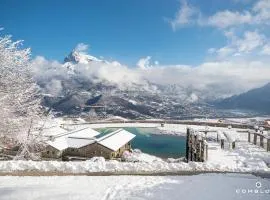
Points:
[[68, 147]]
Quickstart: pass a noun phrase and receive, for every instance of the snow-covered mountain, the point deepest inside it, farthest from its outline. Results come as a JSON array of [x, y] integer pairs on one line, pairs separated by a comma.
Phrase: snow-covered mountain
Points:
[[76, 57], [83, 81], [257, 99]]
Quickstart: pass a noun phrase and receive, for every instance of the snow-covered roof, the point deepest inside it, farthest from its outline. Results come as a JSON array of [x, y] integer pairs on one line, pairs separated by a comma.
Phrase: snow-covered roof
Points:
[[116, 139], [58, 143], [83, 133], [77, 143], [56, 130], [74, 139]]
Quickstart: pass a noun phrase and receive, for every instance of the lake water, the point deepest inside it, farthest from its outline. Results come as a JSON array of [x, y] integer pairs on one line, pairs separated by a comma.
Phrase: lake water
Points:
[[150, 141]]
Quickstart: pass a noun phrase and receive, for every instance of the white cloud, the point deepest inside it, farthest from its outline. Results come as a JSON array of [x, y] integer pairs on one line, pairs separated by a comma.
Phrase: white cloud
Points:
[[262, 10], [81, 47], [54, 87], [251, 41], [224, 52], [266, 50], [258, 14], [223, 78], [50, 73], [224, 19], [184, 15], [144, 63]]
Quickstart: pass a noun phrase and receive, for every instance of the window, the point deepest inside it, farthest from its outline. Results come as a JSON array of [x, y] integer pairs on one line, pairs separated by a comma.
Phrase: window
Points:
[[53, 152], [48, 152]]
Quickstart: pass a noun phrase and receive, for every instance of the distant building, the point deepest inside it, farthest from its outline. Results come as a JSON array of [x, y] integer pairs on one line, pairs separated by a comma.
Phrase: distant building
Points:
[[84, 144]]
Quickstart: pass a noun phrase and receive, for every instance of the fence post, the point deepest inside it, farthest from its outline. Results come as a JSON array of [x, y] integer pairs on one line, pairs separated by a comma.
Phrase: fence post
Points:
[[233, 145], [222, 143], [206, 152], [199, 150], [191, 148], [202, 151], [261, 141], [255, 139], [187, 144], [268, 144], [194, 148], [248, 136]]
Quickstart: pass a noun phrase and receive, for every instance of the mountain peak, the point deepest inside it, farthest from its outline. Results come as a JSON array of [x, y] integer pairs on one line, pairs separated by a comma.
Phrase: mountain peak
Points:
[[76, 57]]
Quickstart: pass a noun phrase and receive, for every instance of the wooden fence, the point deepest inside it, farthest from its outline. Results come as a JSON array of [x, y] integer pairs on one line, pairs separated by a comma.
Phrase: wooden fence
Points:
[[196, 147], [264, 140]]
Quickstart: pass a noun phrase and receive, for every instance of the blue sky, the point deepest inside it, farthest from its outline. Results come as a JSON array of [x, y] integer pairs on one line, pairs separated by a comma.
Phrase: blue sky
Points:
[[126, 30], [121, 30], [219, 46]]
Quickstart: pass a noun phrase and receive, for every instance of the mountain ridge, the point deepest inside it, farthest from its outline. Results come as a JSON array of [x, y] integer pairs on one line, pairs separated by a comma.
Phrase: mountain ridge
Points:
[[257, 99]]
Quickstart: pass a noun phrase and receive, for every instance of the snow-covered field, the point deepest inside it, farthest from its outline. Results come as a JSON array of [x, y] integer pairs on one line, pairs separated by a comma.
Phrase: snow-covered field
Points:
[[203, 186], [245, 158]]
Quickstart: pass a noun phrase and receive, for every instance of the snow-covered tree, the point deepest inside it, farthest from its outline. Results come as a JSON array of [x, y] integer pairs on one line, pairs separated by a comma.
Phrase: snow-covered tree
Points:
[[19, 96]]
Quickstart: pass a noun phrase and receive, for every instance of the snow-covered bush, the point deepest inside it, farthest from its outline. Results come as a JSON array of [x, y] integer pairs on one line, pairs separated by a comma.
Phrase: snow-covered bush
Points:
[[137, 156], [19, 97]]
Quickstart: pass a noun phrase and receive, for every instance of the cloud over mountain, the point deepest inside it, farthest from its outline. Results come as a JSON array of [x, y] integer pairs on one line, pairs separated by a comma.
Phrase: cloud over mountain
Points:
[[215, 78]]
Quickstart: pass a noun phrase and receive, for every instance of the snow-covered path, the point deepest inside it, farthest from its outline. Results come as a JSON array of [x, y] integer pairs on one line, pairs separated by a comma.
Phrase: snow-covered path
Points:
[[204, 186]]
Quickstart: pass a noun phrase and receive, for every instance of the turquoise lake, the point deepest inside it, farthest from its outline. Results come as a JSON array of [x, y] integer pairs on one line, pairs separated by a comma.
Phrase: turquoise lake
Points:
[[150, 141]]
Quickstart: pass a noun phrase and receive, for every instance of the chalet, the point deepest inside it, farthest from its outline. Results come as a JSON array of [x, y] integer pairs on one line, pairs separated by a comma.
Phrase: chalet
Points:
[[84, 144], [63, 142], [114, 144]]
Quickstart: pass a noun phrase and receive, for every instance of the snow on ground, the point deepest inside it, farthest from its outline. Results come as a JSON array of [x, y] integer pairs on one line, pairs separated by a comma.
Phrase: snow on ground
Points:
[[245, 158], [203, 186], [75, 187], [138, 156]]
